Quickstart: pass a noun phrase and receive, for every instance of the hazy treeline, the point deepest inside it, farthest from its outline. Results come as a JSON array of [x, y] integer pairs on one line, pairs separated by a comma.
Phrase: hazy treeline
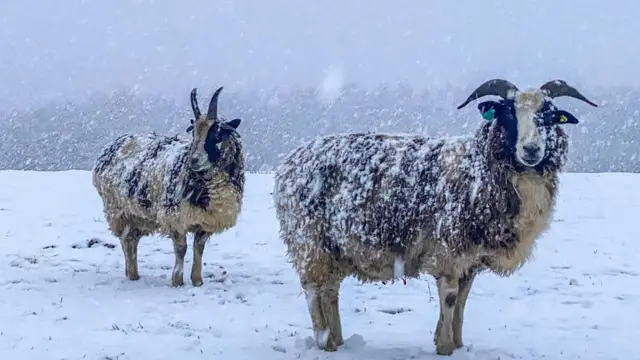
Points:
[[69, 135]]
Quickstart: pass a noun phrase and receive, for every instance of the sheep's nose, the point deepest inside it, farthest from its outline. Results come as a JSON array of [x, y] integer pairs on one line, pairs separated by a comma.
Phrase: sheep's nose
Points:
[[531, 150]]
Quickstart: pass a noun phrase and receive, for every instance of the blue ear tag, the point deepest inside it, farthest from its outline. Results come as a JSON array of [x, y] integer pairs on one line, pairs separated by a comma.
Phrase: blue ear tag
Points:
[[489, 115]]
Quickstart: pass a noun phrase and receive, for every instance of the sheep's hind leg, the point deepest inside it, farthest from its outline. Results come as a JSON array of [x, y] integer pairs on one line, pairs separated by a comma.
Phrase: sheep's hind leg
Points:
[[199, 241], [447, 292], [464, 287], [322, 298], [325, 316], [129, 239], [179, 249], [318, 322], [329, 300]]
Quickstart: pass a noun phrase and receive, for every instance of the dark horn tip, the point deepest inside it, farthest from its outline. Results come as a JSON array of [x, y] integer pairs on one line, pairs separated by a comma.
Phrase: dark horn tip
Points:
[[193, 92]]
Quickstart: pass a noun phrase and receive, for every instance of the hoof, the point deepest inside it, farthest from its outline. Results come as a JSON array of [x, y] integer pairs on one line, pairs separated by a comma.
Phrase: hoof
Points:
[[332, 344], [458, 343], [133, 276], [445, 349], [177, 278], [325, 341], [196, 280]]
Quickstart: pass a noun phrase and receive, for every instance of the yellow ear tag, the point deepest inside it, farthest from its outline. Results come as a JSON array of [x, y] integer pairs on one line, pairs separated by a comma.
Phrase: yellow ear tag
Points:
[[563, 119]]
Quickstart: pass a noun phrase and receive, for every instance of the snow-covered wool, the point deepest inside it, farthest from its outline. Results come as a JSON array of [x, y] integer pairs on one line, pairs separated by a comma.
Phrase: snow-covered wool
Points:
[[381, 206], [173, 186]]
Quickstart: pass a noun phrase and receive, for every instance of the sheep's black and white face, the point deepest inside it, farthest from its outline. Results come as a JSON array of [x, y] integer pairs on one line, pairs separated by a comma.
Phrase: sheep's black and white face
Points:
[[529, 120], [211, 134], [218, 139]]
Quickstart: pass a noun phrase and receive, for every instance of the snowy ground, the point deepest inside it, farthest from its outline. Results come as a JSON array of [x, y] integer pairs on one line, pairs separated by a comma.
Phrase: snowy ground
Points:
[[61, 299]]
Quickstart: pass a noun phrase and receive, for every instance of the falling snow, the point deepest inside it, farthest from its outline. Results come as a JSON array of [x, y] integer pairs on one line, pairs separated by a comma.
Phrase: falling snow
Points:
[[76, 77]]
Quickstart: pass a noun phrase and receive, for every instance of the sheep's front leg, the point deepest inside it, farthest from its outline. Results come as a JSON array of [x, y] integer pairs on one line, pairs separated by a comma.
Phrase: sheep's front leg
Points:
[[179, 249], [448, 293], [199, 241], [129, 239], [464, 287]]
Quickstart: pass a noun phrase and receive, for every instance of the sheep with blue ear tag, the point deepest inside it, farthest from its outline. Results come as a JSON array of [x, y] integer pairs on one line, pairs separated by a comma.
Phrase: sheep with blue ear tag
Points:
[[173, 186], [362, 204]]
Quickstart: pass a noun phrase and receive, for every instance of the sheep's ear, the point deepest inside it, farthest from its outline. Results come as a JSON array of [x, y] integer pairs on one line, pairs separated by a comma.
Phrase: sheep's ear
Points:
[[489, 109], [564, 117], [234, 123]]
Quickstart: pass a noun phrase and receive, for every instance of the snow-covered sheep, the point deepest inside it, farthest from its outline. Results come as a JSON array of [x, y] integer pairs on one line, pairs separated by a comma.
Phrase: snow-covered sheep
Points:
[[173, 186], [381, 206]]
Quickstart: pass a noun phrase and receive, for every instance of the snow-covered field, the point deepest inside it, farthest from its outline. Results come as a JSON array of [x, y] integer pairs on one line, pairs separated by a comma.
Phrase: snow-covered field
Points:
[[63, 299]]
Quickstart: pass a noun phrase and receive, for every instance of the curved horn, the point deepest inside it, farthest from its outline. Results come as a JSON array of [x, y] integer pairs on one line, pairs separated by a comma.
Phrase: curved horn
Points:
[[498, 87], [557, 88], [212, 114], [194, 104]]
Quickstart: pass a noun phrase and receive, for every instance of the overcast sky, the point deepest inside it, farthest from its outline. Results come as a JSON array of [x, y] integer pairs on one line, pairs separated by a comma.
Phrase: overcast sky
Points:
[[66, 48]]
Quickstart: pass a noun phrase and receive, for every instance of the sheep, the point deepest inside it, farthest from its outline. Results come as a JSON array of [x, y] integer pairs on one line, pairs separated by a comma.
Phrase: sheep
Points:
[[380, 206], [172, 186]]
